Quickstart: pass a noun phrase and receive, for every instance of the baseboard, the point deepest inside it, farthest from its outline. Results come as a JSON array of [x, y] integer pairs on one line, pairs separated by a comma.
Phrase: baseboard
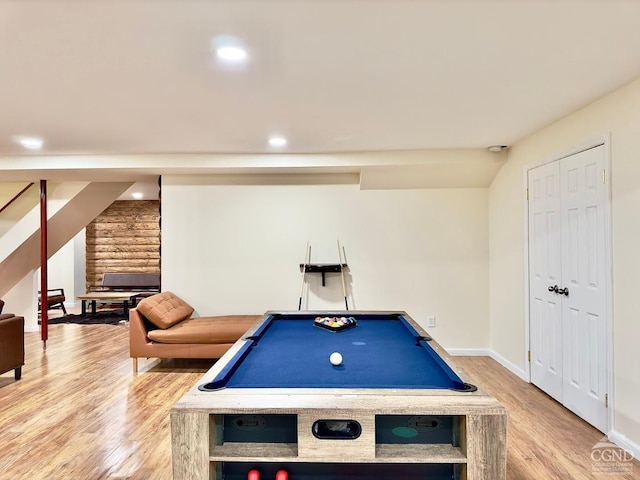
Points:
[[624, 443], [468, 352], [31, 328], [486, 352], [512, 367]]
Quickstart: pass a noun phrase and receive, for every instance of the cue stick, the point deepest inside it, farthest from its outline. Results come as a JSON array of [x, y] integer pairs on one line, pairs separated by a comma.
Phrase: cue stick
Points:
[[344, 288], [307, 259]]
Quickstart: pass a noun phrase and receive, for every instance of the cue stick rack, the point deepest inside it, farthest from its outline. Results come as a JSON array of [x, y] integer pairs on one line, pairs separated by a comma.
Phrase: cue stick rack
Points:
[[323, 268]]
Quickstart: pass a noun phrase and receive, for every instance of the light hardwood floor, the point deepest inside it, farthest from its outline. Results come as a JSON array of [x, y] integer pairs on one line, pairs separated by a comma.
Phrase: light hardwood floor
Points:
[[78, 413]]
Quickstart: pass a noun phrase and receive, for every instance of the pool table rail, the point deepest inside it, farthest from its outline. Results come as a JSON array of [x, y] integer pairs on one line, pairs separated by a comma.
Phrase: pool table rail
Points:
[[241, 347]]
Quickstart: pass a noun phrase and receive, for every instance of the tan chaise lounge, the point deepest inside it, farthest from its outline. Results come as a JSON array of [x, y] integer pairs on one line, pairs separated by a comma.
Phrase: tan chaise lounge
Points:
[[161, 327]]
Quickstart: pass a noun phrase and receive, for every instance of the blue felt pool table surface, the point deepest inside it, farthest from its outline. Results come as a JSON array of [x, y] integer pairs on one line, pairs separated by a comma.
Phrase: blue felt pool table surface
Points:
[[383, 351]]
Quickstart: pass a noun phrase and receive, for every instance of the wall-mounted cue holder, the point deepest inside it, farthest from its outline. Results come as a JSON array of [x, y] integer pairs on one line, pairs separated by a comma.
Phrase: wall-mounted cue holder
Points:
[[323, 268]]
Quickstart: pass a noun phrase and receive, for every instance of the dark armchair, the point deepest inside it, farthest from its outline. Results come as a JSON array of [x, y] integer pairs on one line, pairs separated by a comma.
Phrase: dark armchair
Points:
[[11, 343], [55, 299]]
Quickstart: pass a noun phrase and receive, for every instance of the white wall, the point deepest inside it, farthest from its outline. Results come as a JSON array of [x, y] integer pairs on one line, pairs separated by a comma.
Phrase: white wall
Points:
[[60, 270], [236, 248], [19, 208], [619, 115], [20, 301], [79, 265], [66, 269]]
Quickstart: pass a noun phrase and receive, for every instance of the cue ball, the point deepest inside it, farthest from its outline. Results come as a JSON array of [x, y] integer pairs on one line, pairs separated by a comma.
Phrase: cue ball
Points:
[[335, 359]]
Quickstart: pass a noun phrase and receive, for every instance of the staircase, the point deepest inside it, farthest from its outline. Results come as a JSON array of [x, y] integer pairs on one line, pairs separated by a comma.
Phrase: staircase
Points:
[[70, 207]]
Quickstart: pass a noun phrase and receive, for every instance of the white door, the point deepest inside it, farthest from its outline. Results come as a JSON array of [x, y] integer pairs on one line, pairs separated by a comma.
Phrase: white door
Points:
[[544, 270], [568, 327], [584, 341]]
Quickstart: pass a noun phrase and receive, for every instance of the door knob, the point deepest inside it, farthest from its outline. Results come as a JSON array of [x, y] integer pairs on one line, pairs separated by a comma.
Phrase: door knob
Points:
[[559, 291]]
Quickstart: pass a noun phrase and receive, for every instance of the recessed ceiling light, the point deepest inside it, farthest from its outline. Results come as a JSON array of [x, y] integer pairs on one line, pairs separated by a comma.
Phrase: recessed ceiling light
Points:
[[277, 141], [232, 54], [137, 195], [30, 143]]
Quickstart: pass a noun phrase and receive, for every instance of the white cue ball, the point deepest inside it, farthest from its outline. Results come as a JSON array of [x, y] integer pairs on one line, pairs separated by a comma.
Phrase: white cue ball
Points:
[[335, 358]]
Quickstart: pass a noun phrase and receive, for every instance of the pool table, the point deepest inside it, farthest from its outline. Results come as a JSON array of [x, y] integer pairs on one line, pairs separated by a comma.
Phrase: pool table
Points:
[[395, 406]]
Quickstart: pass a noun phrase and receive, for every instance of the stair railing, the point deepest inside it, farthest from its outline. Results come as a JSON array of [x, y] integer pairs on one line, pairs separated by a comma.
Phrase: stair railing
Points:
[[15, 197]]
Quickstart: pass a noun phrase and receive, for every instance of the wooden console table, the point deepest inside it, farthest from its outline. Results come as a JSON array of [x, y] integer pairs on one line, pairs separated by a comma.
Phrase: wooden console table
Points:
[[94, 297]]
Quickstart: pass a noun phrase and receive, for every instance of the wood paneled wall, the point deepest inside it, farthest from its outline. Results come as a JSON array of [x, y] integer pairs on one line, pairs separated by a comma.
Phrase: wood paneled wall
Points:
[[123, 238]]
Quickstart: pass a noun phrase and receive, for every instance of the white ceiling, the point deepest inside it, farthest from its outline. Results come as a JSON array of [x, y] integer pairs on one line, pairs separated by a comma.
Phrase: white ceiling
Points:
[[331, 75]]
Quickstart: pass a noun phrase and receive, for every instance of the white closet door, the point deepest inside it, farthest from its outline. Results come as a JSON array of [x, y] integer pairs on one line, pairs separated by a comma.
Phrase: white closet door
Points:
[[545, 315], [584, 340]]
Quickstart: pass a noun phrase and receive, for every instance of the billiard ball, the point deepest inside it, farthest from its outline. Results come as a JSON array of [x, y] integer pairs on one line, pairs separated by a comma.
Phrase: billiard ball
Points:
[[282, 475], [253, 475], [335, 358]]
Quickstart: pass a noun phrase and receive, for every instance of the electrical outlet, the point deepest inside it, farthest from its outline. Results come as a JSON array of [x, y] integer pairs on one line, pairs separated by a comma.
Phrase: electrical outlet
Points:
[[431, 321]]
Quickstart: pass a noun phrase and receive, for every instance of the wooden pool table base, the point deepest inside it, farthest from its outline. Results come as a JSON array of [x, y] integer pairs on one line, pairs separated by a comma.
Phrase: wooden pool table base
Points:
[[475, 451], [198, 454]]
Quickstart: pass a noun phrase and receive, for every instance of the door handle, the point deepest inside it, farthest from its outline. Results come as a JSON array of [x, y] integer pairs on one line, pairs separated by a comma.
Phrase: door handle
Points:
[[559, 291]]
